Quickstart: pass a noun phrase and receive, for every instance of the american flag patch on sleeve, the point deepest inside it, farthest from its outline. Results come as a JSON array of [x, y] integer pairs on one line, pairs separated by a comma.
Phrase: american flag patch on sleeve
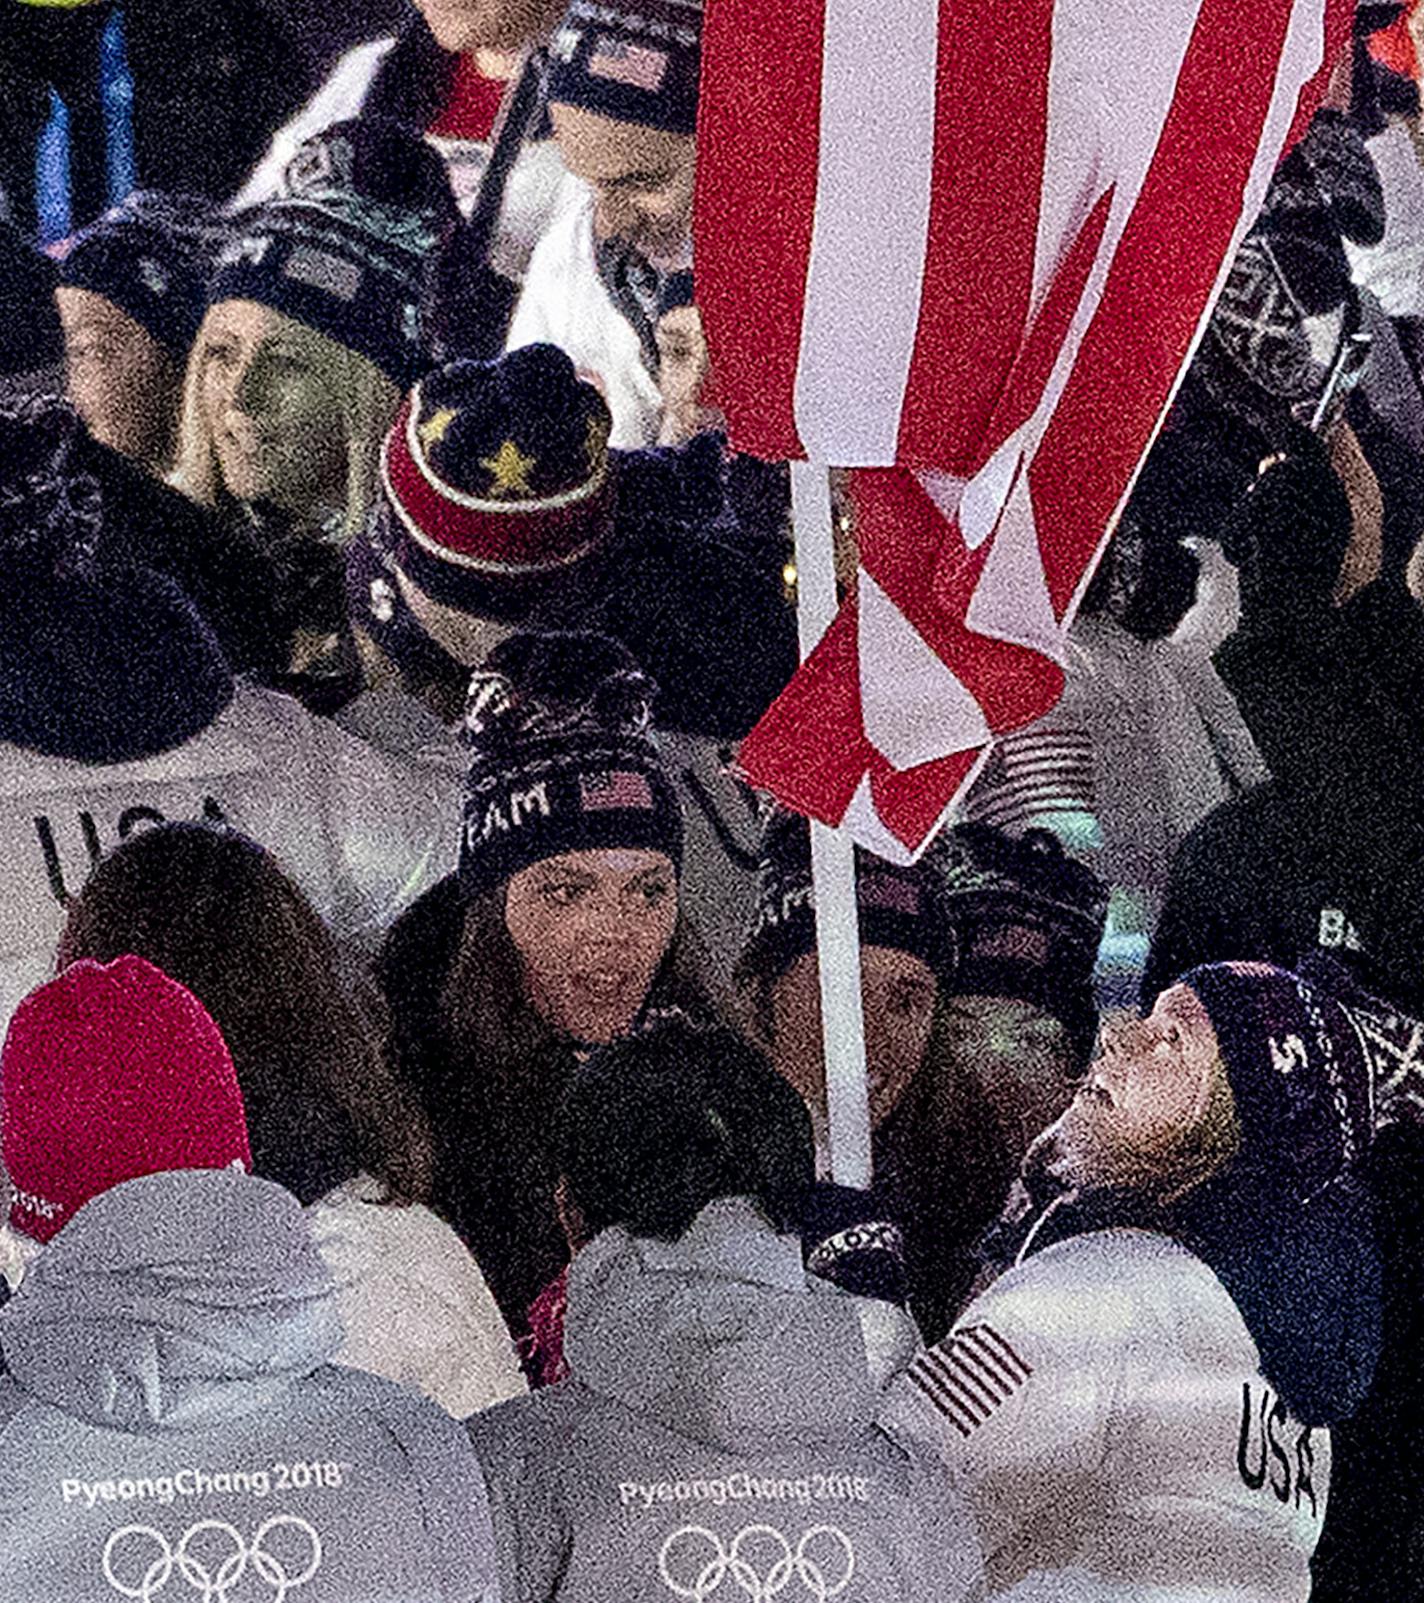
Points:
[[969, 1376], [618, 789]]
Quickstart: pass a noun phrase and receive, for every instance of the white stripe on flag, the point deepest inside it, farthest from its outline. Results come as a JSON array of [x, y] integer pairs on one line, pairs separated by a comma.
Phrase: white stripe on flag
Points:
[[871, 228], [1110, 88], [1112, 85], [1301, 58], [913, 707], [1011, 600]]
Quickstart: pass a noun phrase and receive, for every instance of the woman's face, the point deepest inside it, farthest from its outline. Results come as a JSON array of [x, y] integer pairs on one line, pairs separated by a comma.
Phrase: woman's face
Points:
[[1021, 1057], [270, 390], [898, 998], [591, 929], [122, 382], [1149, 1085]]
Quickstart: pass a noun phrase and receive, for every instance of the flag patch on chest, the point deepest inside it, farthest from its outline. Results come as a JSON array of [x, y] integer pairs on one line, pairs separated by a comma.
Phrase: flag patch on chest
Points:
[[970, 1376]]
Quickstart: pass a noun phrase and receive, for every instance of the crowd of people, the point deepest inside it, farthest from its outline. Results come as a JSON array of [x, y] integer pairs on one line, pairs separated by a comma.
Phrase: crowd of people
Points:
[[413, 1098]]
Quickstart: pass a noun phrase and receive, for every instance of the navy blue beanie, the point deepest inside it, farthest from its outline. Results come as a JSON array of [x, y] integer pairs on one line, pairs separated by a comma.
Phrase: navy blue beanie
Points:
[[635, 61], [1029, 920], [343, 248], [1289, 1227], [899, 908], [150, 257], [563, 758], [101, 661]]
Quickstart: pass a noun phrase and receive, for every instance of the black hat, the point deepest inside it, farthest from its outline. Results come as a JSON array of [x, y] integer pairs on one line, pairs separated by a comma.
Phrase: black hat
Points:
[[563, 758], [1028, 920], [657, 1126], [150, 257], [635, 61], [101, 660], [898, 907], [343, 247]]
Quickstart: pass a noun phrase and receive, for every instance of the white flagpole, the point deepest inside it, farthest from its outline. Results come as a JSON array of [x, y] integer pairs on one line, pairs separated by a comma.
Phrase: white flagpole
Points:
[[832, 858]]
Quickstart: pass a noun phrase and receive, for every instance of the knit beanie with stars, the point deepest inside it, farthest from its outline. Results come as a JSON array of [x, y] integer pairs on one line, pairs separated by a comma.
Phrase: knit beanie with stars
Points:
[[496, 481]]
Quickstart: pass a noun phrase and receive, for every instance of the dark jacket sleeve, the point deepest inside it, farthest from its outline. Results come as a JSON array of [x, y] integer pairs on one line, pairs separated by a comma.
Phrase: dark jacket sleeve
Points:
[[1316, 711], [532, 1537], [1194, 926]]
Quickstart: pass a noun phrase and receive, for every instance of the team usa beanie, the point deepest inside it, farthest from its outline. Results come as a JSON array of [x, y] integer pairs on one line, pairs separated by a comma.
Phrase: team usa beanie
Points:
[[102, 658], [1028, 921], [1314, 1073], [151, 258], [634, 61], [343, 248], [900, 908], [109, 1073], [563, 758]]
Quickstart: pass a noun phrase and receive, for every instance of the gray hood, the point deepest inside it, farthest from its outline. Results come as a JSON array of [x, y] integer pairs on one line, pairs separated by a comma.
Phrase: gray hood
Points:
[[721, 1336], [173, 1301]]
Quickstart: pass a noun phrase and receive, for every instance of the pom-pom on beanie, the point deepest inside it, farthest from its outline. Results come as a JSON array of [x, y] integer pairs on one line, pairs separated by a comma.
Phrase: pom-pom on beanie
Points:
[[343, 247], [496, 480]]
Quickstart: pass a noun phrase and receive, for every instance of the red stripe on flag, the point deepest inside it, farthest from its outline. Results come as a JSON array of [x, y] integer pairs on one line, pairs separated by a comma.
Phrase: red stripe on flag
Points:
[[1161, 275], [817, 777], [991, 124], [754, 211], [921, 562]]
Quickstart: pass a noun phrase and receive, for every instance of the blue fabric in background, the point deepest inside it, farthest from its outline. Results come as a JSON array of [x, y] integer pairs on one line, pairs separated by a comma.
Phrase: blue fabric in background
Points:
[[52, 154]]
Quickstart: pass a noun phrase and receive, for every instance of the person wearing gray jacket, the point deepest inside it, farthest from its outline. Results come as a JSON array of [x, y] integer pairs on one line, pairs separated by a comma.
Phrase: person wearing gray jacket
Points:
[[716, 1438], [171, 1425]]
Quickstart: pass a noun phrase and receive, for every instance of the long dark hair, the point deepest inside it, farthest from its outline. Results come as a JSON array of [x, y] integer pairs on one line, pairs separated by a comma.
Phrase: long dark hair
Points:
[[657, 1127], [214, 911]]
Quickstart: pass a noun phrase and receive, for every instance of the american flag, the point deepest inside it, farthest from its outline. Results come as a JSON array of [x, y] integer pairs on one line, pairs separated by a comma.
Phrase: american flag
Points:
[[967, 249], [970, 1376], [616, 789], [635, 65]]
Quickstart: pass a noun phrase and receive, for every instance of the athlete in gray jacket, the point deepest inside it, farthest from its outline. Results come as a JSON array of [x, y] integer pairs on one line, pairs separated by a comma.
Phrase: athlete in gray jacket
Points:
[[717, 1439], [170, 1426]]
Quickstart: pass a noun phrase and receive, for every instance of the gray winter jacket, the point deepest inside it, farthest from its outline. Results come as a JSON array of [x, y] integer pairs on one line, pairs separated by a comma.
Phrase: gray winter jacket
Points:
[[717, 1441], [170, 1428]]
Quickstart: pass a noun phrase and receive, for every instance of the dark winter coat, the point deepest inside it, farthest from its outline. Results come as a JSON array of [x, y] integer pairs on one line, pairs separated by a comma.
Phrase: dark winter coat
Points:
[[706, 620], [1281, 872], [1372, 1545]]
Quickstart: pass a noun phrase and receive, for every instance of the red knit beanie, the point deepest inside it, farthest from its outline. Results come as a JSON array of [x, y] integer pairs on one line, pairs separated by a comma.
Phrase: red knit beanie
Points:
[[111, 1072], [496, 478]]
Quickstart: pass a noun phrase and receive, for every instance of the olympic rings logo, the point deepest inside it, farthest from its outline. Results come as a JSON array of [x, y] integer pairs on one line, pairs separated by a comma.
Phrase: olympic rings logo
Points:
[[693, 1562], [139, 1561]]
